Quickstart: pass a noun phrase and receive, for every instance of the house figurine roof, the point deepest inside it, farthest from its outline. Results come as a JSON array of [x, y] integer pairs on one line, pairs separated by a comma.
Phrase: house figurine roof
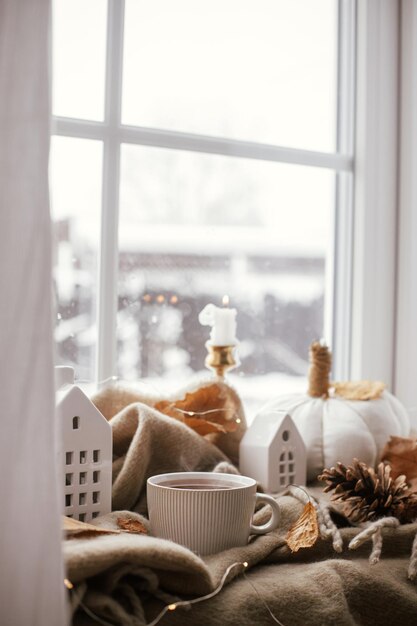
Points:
[[70, 395], [273, 452], [85, 450]]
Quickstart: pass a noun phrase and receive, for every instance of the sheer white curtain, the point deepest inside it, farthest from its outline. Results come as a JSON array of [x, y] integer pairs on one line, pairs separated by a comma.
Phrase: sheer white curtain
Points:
[[31, 573]]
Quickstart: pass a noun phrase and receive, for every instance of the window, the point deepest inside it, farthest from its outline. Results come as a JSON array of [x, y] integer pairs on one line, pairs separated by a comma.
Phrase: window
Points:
[[76, 173], [210, 153]]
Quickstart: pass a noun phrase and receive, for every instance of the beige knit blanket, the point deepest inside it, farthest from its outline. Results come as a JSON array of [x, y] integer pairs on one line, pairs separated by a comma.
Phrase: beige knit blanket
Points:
[[126, 579]]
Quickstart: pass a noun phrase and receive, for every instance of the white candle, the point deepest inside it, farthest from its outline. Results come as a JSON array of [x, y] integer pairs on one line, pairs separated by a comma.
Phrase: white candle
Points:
[[223, 323]]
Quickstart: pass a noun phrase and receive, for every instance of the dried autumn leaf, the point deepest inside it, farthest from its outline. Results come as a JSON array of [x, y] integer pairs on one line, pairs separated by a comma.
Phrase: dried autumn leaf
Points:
[[359, 390], [207, 404], [401, 454], [131, 525], [305, 531], [76, 529]]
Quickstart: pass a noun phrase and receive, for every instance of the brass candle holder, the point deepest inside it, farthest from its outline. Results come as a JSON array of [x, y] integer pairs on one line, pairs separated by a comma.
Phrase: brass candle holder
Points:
[[221, 359]]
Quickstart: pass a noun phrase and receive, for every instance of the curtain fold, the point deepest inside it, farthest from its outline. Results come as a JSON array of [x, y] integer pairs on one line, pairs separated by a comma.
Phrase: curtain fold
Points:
[[32, 592]]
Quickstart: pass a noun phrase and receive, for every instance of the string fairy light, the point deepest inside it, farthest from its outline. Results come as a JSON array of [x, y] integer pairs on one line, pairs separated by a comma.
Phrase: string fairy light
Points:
[[202, 413], [186, 604], [193, 413], [198, 413], [276, 620]]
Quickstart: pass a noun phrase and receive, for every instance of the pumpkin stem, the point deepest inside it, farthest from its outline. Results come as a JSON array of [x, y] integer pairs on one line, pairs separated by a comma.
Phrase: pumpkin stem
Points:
[[319, 372]]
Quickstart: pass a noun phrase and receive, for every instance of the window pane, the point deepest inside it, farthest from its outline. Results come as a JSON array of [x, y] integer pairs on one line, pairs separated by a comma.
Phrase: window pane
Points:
[[76, 166], [79, 53], [262, 71], [194, 227]]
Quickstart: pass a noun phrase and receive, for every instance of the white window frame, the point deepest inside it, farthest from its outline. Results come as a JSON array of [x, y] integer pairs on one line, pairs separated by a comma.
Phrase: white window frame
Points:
[[338, 312], [376, 178], [384, 314], [384, 328], [405, 363]]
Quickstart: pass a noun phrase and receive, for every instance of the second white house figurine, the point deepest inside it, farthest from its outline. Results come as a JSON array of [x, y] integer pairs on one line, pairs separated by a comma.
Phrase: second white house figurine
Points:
[[273, 452], [86, 450]]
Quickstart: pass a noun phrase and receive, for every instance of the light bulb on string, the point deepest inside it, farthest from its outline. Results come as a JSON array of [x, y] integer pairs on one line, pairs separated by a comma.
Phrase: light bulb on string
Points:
[[188, 603]]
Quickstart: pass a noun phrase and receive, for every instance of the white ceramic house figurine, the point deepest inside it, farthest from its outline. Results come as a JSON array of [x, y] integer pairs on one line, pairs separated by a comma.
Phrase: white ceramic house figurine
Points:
[[273, 452], [86, 450]]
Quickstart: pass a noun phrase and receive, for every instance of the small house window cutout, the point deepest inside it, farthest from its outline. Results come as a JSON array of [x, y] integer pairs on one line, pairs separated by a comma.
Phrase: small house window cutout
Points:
[[85, 450], [273, 452]]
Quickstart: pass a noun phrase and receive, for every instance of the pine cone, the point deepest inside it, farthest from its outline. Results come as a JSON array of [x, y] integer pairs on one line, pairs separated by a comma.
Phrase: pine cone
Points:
[[368, 495]]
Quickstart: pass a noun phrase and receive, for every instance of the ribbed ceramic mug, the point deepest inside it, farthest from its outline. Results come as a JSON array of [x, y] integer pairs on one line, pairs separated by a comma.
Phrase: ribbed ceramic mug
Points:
[[205, 511]]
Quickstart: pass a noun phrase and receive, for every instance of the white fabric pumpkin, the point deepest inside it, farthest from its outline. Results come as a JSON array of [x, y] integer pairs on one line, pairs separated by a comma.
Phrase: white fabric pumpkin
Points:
[[335, 429]]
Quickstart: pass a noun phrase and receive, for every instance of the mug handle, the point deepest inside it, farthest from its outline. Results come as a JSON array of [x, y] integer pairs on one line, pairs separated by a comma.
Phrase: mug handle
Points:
[[273, 522]]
